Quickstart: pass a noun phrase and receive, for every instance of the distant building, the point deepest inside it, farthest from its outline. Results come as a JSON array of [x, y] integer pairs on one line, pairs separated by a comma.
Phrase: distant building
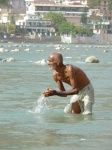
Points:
[[72, 11], [15, 10], [17, 6], [3, 15], [35, 10], [104, 10], [103, 27]]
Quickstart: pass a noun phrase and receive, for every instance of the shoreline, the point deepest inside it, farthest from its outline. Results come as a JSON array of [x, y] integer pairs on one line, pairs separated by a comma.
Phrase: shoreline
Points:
[[53, 40], [24, 40]]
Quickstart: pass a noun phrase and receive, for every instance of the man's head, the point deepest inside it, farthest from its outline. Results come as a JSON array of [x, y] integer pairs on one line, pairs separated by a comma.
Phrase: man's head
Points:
[[54, 60]]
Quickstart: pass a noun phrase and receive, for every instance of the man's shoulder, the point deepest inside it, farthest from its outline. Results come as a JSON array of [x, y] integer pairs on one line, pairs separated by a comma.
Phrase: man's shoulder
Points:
[[54, 73], [70, 66]]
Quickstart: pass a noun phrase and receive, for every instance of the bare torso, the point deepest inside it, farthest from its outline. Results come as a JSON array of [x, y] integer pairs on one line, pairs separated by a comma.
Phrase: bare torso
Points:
[[80, 78]]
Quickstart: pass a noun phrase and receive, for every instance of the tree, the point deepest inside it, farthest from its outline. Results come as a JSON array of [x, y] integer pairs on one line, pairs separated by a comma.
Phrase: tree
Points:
[[84, 18], [8, 28], [56, 18], [84, 30], [67, 28], [110, 4], [93, 3], [64, 27], [4, 2], [11, 28]]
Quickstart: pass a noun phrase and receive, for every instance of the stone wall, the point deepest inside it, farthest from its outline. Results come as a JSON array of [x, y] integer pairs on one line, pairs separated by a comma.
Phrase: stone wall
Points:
[[101, 39]]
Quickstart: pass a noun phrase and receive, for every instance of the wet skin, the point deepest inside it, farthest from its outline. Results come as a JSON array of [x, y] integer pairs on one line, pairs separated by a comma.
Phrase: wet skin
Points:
[[69, 74]]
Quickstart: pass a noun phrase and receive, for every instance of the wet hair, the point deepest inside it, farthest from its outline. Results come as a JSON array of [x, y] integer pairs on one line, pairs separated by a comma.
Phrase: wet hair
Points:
[[57, 57]]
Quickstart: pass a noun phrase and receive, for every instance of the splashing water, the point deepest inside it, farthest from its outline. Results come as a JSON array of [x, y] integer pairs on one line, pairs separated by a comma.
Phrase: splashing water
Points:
[[40, 105]]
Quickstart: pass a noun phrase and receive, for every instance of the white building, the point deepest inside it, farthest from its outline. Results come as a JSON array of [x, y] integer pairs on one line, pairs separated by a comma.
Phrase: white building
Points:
[[35, 10]]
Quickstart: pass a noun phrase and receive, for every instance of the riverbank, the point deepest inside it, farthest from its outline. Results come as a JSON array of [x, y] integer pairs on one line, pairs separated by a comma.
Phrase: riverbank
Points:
[[56, 40]]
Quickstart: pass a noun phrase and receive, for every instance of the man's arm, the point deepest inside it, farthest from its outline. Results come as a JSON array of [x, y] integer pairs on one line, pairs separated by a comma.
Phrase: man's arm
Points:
[[60, 85], [73, 82], [63, 92]]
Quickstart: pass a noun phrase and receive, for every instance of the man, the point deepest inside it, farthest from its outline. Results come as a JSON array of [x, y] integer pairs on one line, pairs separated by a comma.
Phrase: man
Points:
[[81, 88]]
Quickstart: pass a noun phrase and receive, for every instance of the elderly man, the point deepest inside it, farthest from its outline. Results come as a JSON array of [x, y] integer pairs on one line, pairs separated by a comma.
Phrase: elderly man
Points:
[[81, 88]]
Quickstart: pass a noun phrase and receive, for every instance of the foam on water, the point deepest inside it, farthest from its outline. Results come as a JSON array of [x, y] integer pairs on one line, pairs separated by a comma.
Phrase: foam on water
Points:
[[40, 105]]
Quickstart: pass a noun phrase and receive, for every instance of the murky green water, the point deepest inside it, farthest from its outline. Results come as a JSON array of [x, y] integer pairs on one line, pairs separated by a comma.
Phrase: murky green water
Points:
[[21, 84]]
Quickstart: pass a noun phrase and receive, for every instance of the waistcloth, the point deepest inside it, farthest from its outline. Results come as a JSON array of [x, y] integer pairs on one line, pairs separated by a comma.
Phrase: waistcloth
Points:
[[85, 98]]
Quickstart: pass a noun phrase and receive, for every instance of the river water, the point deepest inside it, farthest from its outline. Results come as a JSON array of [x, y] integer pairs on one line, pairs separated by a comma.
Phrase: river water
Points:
[[23, 81]]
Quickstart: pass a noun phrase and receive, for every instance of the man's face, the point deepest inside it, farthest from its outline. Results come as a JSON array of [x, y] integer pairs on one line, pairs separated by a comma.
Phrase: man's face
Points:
[[52, 63]]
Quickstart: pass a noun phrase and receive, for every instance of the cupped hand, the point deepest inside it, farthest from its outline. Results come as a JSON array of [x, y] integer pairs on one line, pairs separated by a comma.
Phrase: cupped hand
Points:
[[49, 92]]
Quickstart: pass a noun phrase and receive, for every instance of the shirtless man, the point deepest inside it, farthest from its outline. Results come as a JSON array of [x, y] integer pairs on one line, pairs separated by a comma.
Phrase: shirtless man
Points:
[[81, 88]]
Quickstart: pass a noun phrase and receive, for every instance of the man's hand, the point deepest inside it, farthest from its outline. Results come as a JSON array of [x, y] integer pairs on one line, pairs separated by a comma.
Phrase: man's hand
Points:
[[49, 92]]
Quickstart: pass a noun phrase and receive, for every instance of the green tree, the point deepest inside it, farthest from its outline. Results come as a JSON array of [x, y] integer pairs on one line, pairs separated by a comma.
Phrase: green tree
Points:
[[1, 28], [67, 28], [110, 4], [56, 18], [8, 28], [4, 2], [93, 3], [84, 18], [84, 30], [64, 27], [11, 28]]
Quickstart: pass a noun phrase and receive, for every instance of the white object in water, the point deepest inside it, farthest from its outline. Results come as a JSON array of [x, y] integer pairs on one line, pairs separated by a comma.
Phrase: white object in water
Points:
[[40, 105], [8, 59], [41, 62]]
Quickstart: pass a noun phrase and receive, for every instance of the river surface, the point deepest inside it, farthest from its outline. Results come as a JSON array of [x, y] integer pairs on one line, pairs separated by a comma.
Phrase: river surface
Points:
[[23, 81]]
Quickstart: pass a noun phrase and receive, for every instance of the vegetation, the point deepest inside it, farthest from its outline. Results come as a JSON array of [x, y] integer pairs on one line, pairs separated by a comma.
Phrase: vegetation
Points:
[[84, 19], [11, 28], [110, 4], [56, 18], [63, 27], [93, 3], [67, 28], [59, 22], [3, 2], [84, 30], [7, 28]]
